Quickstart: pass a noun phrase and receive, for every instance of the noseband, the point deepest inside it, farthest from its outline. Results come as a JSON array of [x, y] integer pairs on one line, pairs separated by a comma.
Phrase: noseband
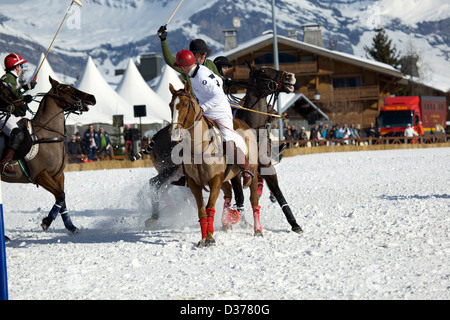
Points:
[[191, 106]]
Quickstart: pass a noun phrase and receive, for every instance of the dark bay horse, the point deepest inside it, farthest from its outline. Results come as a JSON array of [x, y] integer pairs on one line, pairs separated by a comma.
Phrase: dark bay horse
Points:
[[264, 82], [45, 167], [204, 161]]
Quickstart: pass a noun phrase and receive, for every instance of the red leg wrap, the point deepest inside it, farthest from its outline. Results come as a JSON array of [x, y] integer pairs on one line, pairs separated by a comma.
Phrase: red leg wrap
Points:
[[210, 219], [260, 186], [203, 226], [257, 222]]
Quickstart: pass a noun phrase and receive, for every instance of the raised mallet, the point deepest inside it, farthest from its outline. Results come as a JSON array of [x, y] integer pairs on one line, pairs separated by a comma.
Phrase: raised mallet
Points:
[[78, 2]]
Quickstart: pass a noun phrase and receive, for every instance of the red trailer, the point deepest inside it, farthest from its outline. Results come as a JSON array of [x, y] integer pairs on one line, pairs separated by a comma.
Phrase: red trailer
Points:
[[398, 112]]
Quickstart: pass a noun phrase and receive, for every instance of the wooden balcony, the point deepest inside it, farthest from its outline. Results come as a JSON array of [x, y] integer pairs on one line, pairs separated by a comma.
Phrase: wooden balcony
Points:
[[345, 94]]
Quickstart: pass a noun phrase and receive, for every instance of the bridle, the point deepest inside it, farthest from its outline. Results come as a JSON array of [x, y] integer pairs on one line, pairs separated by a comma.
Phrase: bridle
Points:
[[71, 104], [197, 117]]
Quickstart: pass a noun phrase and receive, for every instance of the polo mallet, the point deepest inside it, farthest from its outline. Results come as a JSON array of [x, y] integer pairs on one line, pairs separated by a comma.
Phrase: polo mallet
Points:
[[78, 2], [174, 13]]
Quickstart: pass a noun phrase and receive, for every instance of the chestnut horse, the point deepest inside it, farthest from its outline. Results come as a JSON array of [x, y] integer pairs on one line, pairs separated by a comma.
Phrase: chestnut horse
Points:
[[204, 161], [263, 82], [44, 164]]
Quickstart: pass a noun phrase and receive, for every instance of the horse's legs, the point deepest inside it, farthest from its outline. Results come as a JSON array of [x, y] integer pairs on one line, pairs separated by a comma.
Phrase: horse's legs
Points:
[[202, 217], [214, 187], [229, 216], [156, 182], [272, 183], [45, 180], [254, 200]]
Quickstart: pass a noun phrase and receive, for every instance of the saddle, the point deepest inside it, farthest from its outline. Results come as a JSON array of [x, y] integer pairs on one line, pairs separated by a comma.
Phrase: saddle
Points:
[[27, 150]]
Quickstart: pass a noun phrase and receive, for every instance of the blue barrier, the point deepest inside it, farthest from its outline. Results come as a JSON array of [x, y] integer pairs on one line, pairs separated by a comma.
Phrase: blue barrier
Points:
[[3, 277]]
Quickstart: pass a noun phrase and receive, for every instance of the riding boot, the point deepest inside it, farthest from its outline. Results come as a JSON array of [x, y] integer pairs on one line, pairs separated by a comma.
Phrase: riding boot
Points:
[[241, 160], [7, 169]]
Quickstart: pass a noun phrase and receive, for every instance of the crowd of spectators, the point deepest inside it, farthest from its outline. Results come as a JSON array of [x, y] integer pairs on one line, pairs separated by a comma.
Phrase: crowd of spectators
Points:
[[93, 146]]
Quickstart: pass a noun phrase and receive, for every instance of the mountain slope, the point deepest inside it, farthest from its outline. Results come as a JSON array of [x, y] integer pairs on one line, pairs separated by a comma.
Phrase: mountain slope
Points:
[[112, 31]]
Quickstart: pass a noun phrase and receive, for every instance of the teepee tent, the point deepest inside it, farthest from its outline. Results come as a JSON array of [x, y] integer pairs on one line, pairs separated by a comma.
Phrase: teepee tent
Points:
[[109, 102], [43, 83], [136, 91], [167, 76]]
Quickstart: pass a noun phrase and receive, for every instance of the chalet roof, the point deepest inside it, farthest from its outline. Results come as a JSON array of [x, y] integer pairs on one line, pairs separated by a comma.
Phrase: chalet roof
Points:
[[267, 39]]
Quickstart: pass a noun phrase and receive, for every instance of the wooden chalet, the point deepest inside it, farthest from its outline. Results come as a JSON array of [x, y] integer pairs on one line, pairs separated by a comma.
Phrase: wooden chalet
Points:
[[352, 89]]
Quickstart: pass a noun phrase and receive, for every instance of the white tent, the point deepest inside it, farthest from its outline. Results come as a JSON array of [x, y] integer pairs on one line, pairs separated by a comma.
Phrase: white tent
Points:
[[135, 90], [43, 84], [109, 102], [167, 76]]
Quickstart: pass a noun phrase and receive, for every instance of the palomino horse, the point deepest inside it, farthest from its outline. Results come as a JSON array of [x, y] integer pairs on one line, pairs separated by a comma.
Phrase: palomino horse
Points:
[[264, 82], [45, 167], [203, 162]]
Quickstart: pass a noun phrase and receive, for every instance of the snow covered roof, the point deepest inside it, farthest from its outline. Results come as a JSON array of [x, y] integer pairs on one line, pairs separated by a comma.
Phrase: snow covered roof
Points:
[[109, 102], [267, 39], [167, 76], [135, 90]]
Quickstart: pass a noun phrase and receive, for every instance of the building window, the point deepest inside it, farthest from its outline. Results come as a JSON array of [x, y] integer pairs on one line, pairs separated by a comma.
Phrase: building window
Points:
[[351, 82], [267, 58]]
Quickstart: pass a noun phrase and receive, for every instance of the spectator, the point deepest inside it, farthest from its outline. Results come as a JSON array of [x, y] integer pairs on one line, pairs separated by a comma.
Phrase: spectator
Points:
[[345, 132], [302, 135], [313, 135], [74, 150], [420, 130], [92, 140], [294, 133], [372, 132], [354, 131], [106, 149], [128, 138], [337, 133], [410, 132]]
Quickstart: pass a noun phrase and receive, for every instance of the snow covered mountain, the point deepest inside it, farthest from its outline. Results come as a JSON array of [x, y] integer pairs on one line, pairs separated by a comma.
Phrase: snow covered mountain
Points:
[[113, 31]]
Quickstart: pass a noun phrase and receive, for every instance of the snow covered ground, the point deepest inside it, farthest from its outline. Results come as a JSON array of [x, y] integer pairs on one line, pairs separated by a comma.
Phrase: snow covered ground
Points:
[[376, 226]]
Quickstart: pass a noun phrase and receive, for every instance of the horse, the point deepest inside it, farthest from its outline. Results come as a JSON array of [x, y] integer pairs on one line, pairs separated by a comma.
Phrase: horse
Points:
[[264, 81], [203, 159], [44, 164]]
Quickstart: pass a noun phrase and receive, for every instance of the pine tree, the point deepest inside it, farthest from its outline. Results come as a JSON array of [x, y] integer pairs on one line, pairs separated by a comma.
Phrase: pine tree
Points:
[[382, 49]]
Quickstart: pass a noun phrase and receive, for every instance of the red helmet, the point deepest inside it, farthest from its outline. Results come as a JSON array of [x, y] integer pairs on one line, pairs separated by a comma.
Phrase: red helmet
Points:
[[13, 59], [184, 58]]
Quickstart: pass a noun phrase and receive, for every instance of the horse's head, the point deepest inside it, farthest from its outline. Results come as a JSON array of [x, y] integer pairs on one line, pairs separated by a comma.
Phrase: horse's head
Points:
[[69, 98], [185, 110], [268, 80]]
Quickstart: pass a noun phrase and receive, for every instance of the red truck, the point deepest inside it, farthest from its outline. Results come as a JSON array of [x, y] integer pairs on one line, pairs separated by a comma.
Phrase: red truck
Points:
[[398, 112]]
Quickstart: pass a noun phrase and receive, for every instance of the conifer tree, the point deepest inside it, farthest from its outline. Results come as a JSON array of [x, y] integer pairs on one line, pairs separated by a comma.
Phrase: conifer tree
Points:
[[382, 49]]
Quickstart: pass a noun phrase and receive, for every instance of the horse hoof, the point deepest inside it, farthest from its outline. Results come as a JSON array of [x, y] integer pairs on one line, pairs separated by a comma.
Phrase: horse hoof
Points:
[[46, 222], [73, 230], [149, 223], [258, 233], [210, 242], [297, 229], [226, 227], [206, 243]]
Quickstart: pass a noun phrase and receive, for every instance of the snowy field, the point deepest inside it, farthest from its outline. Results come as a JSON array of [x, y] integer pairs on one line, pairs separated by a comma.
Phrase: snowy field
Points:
[[376, 226]]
